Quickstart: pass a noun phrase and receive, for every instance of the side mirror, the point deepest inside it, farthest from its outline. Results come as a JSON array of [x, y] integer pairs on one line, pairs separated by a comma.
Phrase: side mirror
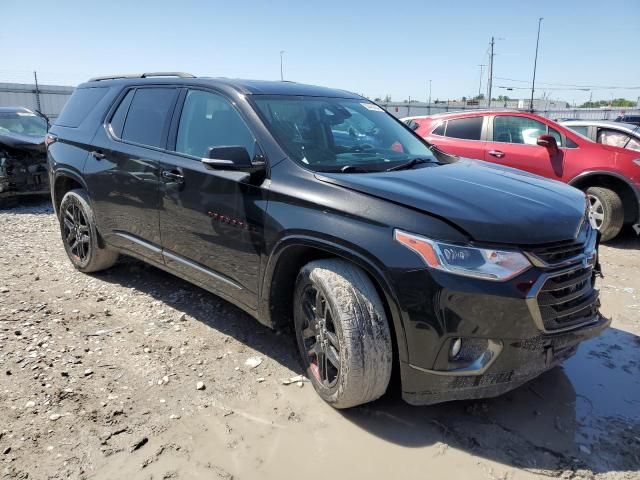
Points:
[[549, 142], [233, 157]]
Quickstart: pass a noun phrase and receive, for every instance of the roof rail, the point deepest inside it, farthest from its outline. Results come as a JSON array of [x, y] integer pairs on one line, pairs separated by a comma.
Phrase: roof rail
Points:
[[143, 75]]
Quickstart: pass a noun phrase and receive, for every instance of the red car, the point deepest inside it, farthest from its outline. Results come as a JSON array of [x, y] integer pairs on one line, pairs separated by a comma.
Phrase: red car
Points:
[[609, 175]]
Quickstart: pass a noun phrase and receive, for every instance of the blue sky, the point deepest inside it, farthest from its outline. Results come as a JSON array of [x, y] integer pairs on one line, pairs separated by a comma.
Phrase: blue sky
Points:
[[373, 47]]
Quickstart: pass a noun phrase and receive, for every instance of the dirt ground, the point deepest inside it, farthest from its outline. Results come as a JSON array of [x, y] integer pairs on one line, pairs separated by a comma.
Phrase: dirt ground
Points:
[[99, 379]]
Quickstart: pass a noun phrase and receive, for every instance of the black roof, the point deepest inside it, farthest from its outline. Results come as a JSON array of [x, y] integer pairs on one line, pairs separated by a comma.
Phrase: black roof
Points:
[[245, 87]]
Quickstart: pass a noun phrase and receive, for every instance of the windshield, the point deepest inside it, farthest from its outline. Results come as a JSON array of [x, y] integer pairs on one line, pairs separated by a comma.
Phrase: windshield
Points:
[[23, 123], [329, 134]]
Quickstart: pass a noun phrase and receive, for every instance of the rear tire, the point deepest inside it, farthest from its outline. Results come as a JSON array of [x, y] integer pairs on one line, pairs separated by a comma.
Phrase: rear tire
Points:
[[79, 234], [342, 333], [606, 211]]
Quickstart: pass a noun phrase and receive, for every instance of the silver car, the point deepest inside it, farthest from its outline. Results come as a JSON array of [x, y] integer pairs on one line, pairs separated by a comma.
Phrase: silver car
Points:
[[617, 134]]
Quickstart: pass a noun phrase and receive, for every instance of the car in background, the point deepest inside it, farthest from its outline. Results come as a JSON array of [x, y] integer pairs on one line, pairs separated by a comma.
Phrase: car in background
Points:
[[617, 134], [634, 119], [23, 155], [610, 176]]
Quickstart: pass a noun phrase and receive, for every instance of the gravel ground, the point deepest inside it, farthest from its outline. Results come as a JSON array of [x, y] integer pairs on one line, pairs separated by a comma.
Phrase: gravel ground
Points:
[[133, 373]]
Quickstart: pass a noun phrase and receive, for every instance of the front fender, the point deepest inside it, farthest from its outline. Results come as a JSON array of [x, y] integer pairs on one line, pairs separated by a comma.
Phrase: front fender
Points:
[[338, 248]]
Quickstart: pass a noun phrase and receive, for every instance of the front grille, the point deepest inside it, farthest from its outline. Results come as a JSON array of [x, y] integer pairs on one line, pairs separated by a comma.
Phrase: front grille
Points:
[[558, 253], [568, 299], [565, 252]]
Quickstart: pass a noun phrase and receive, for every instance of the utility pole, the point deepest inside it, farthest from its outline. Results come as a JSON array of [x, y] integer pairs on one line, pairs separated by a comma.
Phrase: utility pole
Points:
[[429, 101], [281, 71], [491, 72], [35, 77], [480, 85], [535, 64]]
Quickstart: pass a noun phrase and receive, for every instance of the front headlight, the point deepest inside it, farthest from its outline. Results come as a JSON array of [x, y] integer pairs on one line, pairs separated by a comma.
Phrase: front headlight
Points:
[[485, 263]]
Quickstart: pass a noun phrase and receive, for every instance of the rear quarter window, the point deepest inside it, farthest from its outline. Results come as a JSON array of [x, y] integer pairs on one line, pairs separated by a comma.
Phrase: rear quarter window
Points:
[[80, 105], [440, 129], [465, 128]]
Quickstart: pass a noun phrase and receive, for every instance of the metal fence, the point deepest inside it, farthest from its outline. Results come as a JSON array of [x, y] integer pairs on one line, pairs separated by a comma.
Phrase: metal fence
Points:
[[405, 109], [49, 99]]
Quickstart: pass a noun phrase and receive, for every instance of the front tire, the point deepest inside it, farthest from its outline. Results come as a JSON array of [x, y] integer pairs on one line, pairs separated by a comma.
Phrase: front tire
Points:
[[606, 211], [80, 236], [342, 333]]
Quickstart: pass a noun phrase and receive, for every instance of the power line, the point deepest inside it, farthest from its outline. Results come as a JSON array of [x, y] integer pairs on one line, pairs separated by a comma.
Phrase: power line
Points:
[[604, 87]]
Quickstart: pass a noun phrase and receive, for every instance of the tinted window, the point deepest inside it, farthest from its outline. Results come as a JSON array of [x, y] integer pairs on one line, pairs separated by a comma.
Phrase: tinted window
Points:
[[440, 129], [466, 128], [79, 105], [147, 116], [517, 130], [412, 124], [209, 120], [117, 121]]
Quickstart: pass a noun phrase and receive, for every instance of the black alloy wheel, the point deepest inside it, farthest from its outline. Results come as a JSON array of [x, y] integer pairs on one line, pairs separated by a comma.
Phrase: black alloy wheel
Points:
[[320, 338], [76, 231]]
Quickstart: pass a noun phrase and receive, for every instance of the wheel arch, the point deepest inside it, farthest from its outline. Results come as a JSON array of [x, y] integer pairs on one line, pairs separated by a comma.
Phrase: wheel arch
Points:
[[629, 194], [64, 181], [281, 271]]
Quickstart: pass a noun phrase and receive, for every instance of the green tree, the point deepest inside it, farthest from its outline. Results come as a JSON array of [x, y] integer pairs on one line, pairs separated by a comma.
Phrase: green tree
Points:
[[616, 102]]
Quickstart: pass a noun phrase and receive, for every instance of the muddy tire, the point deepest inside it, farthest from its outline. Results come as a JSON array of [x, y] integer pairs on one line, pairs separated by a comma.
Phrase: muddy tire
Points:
[[607, 211], [342, 333], [79, 234]]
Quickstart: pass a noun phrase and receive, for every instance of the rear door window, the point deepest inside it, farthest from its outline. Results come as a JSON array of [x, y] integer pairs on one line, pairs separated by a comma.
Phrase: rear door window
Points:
[[148, 115], [465, 128], [80, 105]]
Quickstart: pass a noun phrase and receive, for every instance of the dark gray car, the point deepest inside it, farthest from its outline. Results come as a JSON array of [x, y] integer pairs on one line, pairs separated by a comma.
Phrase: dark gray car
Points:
[[23, 158]]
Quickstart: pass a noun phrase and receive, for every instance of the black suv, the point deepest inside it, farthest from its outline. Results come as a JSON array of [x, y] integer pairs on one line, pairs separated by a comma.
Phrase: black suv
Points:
[[315, 209]]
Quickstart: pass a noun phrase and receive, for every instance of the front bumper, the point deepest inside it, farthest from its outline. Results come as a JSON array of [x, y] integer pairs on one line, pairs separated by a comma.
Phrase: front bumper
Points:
[[510, 332], [519, 361], [23, 177]]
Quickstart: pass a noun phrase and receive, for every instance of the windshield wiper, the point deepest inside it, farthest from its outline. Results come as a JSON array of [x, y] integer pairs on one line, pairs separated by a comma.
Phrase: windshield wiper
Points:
[[346, 169], [410, 164]]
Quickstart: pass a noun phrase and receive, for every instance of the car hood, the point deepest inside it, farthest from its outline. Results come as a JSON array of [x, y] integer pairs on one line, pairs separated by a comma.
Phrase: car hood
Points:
[[28, 143], [489, 202]]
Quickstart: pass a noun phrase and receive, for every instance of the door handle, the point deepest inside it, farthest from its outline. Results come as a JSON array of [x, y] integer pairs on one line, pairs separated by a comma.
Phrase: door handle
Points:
[[496, 153], [172, 176], [98, 155]]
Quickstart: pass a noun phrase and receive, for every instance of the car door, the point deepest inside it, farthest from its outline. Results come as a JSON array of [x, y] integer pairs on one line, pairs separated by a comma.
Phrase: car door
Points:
[[512, 142], [211, 221], [460, 136], [123, 171]]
